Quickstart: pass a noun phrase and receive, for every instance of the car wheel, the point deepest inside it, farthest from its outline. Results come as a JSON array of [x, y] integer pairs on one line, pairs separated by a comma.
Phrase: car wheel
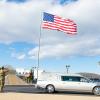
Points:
[[50, 89], [96, 91]]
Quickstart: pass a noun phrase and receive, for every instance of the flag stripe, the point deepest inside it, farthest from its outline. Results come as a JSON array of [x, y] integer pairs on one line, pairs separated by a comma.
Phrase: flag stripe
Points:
[[60, 24], [66, 28]]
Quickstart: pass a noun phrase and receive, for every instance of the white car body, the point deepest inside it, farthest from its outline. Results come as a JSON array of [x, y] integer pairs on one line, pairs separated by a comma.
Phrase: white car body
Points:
[[67, 82]]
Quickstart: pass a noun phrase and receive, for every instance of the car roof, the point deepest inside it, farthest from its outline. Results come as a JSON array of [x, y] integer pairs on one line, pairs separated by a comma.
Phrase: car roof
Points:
[[62, 74]]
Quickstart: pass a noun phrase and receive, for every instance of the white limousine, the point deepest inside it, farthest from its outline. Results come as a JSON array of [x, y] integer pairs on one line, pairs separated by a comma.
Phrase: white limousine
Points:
[[67, 82]]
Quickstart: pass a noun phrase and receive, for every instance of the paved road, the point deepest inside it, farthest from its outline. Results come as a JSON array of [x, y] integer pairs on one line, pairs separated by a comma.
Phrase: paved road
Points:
[[33, 90], [21, 89]]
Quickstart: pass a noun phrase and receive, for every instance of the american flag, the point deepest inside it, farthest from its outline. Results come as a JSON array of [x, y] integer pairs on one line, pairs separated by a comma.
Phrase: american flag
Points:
[[58, 23]]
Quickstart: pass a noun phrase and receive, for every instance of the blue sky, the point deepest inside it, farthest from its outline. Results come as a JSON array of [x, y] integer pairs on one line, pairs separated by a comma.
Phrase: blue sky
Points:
[[19, 33]]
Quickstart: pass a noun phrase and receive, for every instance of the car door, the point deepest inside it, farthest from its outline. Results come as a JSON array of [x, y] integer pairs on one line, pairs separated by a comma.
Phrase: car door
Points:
[[85, 85], [70, 83]]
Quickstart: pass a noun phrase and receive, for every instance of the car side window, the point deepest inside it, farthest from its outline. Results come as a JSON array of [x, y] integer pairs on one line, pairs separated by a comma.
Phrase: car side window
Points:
[[70, 78]]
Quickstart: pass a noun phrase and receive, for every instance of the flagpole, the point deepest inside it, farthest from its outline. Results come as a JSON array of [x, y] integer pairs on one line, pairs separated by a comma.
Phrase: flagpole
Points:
[[39, 48]]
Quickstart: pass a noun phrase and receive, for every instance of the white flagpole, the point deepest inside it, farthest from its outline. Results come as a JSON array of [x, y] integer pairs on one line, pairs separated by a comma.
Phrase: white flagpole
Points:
[[39, 49]]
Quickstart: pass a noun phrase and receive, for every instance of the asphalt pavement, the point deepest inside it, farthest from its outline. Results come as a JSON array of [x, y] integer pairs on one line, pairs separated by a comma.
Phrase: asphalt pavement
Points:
[[22, 89], [31, 89]]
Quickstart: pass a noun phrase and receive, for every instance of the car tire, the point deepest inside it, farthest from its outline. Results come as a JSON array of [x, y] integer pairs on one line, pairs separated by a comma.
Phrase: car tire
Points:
[[96, 90], [50, 89]]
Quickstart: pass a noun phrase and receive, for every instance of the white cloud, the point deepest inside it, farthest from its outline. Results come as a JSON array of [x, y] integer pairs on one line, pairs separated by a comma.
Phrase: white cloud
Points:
[[19, 56], [3, 1], [21, 22], [82, 47]]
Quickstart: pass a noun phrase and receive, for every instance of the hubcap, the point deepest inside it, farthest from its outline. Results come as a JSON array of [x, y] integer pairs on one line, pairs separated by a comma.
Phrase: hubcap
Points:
[[97, 91], [50, 89]]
